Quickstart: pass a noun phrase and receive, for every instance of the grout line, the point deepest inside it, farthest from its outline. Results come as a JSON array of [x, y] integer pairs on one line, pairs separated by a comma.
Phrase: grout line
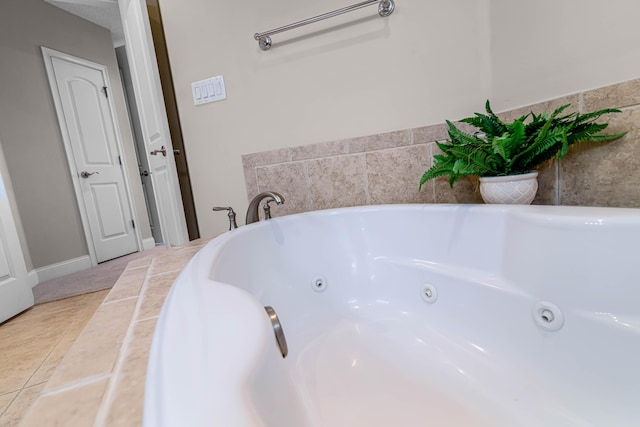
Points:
[[581, 102], [53, 347], [433, 182], [345, 146], [347, 154], [35, 384], [558, 182], [307, 182], [108, 397], [255, 173], [119, 300], [367, 196], [145, 319], [17, 392], [162, 273], [138, 267], [74, 385]]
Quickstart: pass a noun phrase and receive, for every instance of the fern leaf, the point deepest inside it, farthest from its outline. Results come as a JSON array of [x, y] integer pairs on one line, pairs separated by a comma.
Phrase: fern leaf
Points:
[[516, 140], [600, 138], [487, 107], [459, 137], [588, 128], [441, 168], [433, 172], [543, 148], [541, 140], [478, 162], [499, 146], [565, 144], [442, 165], [594, 115], [560, 109], [490, 126]]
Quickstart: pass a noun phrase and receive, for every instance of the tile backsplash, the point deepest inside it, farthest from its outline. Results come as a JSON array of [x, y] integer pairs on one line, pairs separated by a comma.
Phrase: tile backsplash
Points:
[[386, 168]]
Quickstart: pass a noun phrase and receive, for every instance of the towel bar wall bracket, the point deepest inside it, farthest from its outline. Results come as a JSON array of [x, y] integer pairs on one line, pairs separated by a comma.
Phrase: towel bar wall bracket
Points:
[[385, 8]]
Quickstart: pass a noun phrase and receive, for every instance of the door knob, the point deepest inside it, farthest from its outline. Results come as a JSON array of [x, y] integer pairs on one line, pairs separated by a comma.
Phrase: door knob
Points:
[[162, 150], [86, 174], [144, 173]]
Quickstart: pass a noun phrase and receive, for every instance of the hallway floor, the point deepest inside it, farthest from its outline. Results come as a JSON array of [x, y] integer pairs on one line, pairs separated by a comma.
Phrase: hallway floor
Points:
[[97, 278], [33, 344]]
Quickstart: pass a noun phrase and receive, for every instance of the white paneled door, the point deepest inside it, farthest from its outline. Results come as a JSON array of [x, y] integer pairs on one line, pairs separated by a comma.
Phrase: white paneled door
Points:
[[15, 291], [153, 120], [81, 93]]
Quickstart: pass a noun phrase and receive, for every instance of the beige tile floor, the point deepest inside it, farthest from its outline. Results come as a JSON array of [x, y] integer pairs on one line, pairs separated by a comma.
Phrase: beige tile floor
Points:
[[97, 376], [33, 344]]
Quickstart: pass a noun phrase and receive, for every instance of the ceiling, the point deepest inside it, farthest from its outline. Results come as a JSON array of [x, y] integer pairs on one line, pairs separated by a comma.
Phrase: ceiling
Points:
[[104, 13]]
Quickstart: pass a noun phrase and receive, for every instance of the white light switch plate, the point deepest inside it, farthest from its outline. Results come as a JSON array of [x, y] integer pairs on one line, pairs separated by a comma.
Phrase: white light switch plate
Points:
[[208, 90]]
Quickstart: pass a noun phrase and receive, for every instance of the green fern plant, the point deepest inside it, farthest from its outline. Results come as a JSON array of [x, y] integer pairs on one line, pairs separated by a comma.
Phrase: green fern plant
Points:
[[500, 149]]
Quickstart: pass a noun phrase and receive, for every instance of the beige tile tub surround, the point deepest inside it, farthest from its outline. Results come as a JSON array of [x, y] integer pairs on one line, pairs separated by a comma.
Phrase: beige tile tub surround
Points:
[[100, 381], [386, 168]]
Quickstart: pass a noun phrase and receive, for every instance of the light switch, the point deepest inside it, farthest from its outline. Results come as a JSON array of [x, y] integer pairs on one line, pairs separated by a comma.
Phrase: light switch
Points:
[[208, 90]]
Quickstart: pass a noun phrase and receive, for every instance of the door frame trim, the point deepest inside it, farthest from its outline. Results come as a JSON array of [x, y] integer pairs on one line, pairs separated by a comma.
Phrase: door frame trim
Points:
[[48, 54]]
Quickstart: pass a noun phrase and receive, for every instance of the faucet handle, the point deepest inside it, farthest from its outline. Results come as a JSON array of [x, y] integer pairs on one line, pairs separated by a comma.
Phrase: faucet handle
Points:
[[230, 213]]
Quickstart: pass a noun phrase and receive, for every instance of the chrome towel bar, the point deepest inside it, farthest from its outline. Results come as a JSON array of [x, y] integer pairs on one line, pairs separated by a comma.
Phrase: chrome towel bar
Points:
[[385, 8]]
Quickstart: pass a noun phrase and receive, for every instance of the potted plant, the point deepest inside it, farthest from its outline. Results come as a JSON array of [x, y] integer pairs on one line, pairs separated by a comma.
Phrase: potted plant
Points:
[[507, 154]]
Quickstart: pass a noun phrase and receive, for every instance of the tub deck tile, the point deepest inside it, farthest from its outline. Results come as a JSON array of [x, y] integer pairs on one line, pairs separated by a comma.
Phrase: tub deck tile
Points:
[[129, 385], [77, 406]]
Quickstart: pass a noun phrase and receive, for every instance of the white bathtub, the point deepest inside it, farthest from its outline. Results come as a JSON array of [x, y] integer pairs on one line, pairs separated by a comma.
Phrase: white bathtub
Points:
[[407, 315]]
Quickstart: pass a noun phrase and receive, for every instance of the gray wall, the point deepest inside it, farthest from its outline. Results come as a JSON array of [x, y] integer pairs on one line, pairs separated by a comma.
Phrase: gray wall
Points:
[[29, 131]]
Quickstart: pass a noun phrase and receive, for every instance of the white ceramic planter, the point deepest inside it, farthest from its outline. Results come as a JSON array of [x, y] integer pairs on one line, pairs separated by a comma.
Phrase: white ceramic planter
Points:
[[509, 190]]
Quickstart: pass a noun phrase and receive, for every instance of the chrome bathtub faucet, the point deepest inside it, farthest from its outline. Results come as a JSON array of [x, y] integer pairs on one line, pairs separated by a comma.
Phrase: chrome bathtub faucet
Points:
[[253, 214]]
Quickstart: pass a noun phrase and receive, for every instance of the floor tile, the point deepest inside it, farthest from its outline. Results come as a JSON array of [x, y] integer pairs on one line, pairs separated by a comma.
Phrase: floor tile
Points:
[[91, 302], [20, 405], [5, 401], [29, 338]]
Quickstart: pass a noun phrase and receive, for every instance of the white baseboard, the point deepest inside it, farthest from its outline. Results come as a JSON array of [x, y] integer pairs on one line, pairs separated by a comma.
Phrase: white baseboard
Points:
[[149, 243], [63, 268], [32, 278]]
